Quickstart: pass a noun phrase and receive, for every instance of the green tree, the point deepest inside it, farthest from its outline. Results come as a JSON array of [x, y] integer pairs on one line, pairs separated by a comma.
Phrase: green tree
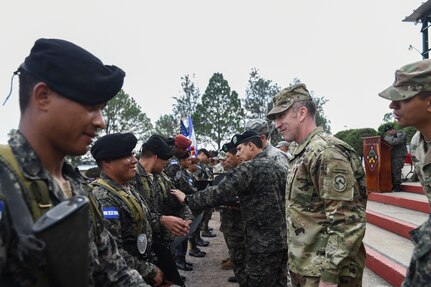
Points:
[[189, 98], [122, 114], [167, 125], [258, 95], [354, 138], [321, 118], [219, 114]]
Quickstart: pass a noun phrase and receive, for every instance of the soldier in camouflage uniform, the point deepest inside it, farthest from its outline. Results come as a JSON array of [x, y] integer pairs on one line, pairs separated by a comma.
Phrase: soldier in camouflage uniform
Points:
[[325, 197], [204, 177], [410, 97], [130, 222], [258, 183], [232, 225], [397, 140], [261, 127], [60, 115]]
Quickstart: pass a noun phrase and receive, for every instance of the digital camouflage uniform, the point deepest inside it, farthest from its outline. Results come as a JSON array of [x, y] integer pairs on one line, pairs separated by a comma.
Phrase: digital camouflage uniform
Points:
[[106, 266], [325, 210], [129, 221], [398, 154], [258, 184], [203, 175], [156, 190], [419, 271], [280, 157], [233, 231]]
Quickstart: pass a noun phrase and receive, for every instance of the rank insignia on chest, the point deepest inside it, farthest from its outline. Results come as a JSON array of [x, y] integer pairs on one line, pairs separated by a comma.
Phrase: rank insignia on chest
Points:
[[1, 208], [340, 183], [110, 212]]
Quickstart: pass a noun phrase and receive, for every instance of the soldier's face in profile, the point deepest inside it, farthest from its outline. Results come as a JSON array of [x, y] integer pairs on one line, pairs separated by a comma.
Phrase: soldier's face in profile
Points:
[[71, 127], [123, 169], [288, 124], [414, 112], [159, 166], [244, 151]]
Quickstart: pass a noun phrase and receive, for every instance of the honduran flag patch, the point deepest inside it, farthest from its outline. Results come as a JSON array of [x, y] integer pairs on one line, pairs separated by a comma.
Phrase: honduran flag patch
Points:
[[110, 212]]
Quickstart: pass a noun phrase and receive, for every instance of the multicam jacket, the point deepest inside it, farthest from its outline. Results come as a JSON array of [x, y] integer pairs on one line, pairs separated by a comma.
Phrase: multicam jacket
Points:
[[259, 184], [126, 222], [106, 266], [418, 273], [325, 209]]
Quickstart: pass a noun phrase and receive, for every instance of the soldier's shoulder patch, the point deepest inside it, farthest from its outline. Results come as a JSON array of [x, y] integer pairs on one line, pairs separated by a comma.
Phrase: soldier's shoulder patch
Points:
[[174, 161], [1, 208], [178, 174], [340, 182], [110, 212]]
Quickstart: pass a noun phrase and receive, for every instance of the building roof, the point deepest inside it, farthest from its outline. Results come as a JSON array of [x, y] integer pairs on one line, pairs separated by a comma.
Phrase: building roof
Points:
[[423, 11]]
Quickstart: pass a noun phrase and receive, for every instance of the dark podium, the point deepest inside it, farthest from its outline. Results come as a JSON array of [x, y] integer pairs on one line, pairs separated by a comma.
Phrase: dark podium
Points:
[[377, 158]]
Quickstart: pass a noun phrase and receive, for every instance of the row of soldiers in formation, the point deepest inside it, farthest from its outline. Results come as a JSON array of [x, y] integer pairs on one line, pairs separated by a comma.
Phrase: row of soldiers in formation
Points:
[[301, 225]]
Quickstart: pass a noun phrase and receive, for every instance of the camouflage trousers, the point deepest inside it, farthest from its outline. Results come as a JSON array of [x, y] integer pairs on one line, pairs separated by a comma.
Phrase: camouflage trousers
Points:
[[419, 271], [303, 281], [206, 218], [396, 167], [267, 269], [237, 255]]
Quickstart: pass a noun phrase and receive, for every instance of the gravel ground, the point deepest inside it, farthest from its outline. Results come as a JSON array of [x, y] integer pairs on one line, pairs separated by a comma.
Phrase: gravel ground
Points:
[[207, 270]]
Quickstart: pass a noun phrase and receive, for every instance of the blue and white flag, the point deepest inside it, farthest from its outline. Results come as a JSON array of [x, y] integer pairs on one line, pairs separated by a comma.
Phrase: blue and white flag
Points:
[[110, 212], [186, 129]]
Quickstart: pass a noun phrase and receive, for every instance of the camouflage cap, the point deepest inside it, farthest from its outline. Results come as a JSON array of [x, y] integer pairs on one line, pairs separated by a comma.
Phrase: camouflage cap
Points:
[[410, 80], [258, 125], [286, 97]]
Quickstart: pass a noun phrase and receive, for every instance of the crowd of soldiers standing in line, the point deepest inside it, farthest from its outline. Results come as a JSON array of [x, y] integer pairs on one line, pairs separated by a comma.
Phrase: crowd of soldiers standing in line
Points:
[[288, 220]]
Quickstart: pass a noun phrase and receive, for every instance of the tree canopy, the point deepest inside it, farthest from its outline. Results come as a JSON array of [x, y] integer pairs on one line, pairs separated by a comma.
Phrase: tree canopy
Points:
[[122, 114], [219, 114], [167, 126], [354, 138]]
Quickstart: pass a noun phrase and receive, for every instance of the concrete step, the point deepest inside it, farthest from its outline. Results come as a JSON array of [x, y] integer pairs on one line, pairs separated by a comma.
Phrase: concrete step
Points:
[[414, 187], [395, 219], [388, 254], [413, 201]]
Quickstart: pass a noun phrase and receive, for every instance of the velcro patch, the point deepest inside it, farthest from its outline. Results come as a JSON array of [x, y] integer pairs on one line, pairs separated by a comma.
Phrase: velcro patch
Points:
[[340, 183], [110, 212]]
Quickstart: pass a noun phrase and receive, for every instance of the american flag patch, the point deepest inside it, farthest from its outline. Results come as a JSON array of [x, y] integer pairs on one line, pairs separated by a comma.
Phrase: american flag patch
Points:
[[110, 212]]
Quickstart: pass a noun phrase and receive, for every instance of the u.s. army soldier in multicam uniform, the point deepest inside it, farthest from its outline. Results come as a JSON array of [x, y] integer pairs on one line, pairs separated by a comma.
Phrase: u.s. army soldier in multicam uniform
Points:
[[325, 197], [410, 97], [259, 184], [60, 114]]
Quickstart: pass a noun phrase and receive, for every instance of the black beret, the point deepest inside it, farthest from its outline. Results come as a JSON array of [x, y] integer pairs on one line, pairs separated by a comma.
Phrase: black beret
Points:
[[229, 147], [240, 138], [158, 146], [170, 141], [205, 151], [73, 72], [113, 146], [388, 128]]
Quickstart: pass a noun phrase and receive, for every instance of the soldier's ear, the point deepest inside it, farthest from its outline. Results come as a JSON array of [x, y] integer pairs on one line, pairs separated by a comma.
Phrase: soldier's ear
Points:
[[428, 104], [41, 95]]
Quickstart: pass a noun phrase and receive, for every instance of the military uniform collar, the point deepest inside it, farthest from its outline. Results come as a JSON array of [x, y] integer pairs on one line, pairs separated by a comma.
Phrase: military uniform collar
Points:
[[302, 146], [112, 182]]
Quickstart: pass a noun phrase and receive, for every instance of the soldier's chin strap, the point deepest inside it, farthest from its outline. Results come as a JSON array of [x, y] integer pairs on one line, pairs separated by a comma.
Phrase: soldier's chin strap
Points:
[[11, 86]]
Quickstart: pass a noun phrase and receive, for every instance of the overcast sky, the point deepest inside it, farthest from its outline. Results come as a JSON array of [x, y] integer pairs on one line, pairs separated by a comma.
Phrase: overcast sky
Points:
[[346, 51]]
